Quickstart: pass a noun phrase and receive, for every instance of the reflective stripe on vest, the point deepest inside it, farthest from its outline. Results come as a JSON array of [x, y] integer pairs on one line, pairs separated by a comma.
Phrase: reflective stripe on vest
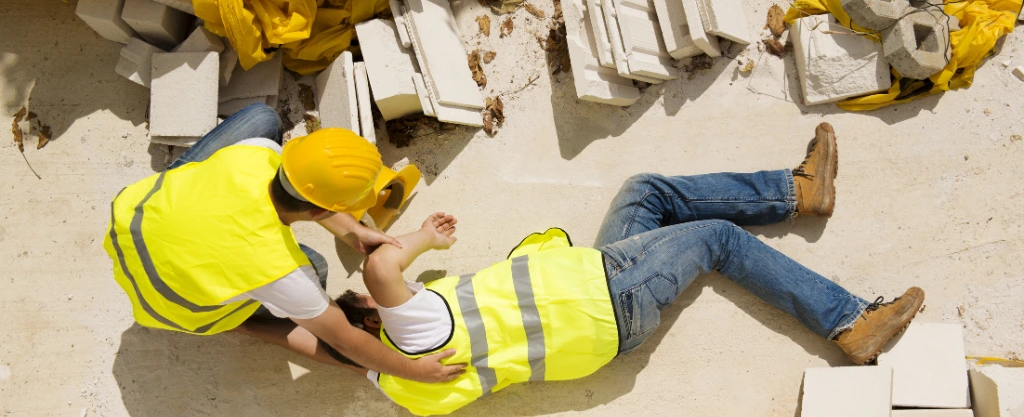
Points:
[[477, 333]]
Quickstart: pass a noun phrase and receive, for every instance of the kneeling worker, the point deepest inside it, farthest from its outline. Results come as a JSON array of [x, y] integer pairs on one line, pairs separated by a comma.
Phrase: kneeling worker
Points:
[[557, 312], [206, 246]]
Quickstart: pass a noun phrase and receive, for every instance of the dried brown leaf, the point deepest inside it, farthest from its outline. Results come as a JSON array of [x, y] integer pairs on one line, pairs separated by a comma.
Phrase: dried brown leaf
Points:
[[489, 122], [775, 20], [774, 47], [44, 135], [306, 94], [499, 111], [507, 27], [489, 56], [312, 123], [31, 116], [494, 114], [19, 139], [538, 13], [484, 22], [476, 68]]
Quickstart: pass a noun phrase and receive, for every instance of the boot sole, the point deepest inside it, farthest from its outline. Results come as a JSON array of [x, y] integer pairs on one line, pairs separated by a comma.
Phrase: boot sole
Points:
[[878, 351], [830, 192]]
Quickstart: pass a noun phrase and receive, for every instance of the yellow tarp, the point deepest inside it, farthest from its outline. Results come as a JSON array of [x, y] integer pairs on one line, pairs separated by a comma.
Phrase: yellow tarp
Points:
[[310, 33], [982, 23]]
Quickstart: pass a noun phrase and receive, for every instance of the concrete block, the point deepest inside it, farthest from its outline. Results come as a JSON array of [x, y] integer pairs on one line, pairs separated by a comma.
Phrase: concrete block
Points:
[[183, 5], [917, 46], [201, 40], [336, 94], [227, 108], [933, 413], [593, 81], [136, 61], [834, 66], [364, 104], [399, 24], [636, 40], [725, 18], [675, 29], [104, 16], [390, 67], [263, 79], [997, 391], [157, 24], [849, 391], [598, 28], [875, 14], [228, 62], [698, 33], [929, 369], [183, 96], [441, 54]]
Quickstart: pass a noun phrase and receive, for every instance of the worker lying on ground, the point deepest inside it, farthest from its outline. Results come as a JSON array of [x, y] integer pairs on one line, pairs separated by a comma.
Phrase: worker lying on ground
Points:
[[199, 247], [556, 312]]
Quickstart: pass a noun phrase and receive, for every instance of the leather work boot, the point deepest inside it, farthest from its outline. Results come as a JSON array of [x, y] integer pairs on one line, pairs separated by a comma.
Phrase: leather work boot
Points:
[[815, 192], [879, 323]]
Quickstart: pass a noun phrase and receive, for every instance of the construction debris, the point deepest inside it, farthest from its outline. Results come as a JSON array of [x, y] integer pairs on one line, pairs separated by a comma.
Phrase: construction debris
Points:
[[507, 27], [833, 64], [918, 44], [927, 361], [158, 24], [183, 97], [135, 63], [494, 114], [534, 11], [104, 16], [484, 23], [489, 56], [477, 69], [725, 18], [593, 81], [775, 21], [774, 47], [1019, 72]]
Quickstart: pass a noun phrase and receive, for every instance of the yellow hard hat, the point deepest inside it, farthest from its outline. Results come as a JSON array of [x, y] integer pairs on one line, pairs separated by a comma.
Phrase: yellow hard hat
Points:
[[333, 168]]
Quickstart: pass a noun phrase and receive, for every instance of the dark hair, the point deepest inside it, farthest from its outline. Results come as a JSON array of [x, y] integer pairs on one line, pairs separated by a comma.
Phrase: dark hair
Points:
[[286, 201], [354, 309]]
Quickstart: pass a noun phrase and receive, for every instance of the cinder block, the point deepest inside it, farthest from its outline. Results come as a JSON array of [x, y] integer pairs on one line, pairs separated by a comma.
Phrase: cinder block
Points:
[[833, 65], [698, 33], [997, 391], [593, 81], [228, 62], [849, 391], [929, 368], [725, 18], [390, 67], [917, 46], [183, 97], [675, 29], [157, 24], [875, 14], [201, 40], [933, 413], [227, 108], [336, 94], [136, 61], [441, 54], [364, 104], [637, 44], [104, 16], [263, 79], [183, 5]]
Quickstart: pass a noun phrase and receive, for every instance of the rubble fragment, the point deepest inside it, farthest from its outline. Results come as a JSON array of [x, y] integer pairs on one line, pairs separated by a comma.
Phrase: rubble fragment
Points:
[[484, 23], [507, 27], [494, 114], [159, 25], [476, 68], [489, 56]]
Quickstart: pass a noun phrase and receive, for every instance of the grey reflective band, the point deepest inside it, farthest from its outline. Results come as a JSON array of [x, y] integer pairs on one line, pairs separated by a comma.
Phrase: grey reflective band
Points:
[[206, 328], [523, 285], [288, 185], [477, 334], [147, 261]]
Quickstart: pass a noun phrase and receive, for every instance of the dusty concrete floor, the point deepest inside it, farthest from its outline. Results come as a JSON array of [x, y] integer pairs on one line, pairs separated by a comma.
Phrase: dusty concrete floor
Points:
[[929, 194]]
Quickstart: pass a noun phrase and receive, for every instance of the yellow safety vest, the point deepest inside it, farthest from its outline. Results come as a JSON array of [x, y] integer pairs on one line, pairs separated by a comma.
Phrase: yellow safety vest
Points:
[[544, 314], [186, 240]]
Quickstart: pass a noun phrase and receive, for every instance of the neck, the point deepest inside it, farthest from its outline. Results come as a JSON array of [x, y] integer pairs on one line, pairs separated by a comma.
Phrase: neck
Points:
[[287, 218]]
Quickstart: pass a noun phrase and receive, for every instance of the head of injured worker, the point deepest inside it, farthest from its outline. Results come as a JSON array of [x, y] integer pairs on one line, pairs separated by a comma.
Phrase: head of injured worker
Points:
[[361, 311], [331, 169]]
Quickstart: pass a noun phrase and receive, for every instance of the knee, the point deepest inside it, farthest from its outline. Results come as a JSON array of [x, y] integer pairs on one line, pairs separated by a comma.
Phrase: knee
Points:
[[638, 182], [266, 117]]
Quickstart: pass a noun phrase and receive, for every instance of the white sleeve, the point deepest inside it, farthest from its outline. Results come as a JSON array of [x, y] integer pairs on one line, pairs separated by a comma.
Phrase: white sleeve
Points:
[[261, 142], [419, 325], [296, 295]]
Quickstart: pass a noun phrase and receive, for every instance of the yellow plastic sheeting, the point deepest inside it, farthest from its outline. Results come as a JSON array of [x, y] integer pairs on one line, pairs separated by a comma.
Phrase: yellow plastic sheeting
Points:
[[310, 33], [982, 23]]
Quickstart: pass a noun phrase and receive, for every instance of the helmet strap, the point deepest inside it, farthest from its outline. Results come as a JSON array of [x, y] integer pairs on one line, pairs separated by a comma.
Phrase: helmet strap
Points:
[[288, 185]]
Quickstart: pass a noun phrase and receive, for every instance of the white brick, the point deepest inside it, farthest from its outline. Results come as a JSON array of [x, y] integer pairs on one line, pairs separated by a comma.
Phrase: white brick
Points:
[[933, 413], [228, 62], [201, 40], [403, 32], [675, 30], [593, 82], [136, 61], [390, 67], [997, 391], [834, 67], [725, 18], [850, 391], [183, 5], [364, 104], [637, 45], [183, 97], [441, 54], [698, 33], [599, 29], [263, 79], [104, 16], [157, 24], [929, 369], [336, 94], [227, 108]]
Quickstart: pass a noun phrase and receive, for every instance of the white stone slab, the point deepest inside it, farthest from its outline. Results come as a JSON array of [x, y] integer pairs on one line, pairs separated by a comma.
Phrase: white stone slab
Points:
[[849, 391], [136, 61], [159, 25], [637, 45], [364, 104], [997, 391], [448, 113], [833, 67], [675, 30], [725, 18], [441, 54], [423, 95], [183, 96], [227, 108], [201, 40], [104, 16], [390, 67], [599, 29], [336, 94], [263, 79], [929, 369], [593, 81], [933, 413], [403, 33], [698, 33]]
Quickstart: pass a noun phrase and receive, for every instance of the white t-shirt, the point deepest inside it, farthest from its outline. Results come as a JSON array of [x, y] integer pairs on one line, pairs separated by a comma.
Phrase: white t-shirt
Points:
[[297, 294], [419, 325]]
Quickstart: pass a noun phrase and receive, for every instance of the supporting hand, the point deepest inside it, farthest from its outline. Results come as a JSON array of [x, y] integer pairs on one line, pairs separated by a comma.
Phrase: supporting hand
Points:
[[368, 240], [430, 368]]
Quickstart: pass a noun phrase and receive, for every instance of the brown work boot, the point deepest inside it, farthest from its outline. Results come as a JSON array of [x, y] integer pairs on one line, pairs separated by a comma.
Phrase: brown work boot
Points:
[[881, 322], [815, 192]]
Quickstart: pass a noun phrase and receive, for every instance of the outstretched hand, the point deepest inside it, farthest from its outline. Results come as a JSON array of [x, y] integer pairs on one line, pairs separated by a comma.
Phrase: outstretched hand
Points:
[[441, 228]]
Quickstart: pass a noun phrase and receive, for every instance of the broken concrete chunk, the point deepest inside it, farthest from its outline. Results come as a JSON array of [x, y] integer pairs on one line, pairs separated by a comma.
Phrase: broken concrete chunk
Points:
[[159, 25], [848, 391], [263, 79], [996, 391], [928, 366], [201, 40], [875, 14], [593, 81], [136, 61], [833, 66], [441, 54], [1019, 72], [336, 94], [390, 67], [917, 46], [725, 18], [675, 29], [183, 96], [183, 5], [104, 16], [364, 104]]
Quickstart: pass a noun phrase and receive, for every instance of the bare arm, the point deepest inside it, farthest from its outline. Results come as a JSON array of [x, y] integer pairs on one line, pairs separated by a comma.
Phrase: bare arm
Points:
[[359, 237], [382, 273]]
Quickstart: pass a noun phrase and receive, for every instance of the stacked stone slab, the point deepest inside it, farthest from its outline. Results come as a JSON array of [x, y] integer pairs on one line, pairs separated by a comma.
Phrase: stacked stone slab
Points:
[[593, 82], [104, 16], [183, 97], [363, 103], [262, 80], [159, 25], [833, 64], [391, 68], [725, 18], [848, 391], [928, 366], [336, 94], [135, 63]]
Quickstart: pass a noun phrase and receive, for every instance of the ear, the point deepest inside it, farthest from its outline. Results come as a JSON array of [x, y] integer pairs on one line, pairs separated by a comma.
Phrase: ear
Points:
[[371, 322]]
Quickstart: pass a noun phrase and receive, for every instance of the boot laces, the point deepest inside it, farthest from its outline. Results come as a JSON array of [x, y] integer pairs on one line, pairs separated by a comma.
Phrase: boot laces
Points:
[[878, 303], [800, 171]]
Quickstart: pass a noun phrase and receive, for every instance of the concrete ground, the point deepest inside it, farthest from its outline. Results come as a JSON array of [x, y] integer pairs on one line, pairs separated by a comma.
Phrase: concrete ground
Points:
[[929, 194]]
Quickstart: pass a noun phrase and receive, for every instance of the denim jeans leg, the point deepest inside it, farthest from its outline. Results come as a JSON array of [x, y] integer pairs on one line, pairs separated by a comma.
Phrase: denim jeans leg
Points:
[[648, 271], [649, 201], [255, 121]]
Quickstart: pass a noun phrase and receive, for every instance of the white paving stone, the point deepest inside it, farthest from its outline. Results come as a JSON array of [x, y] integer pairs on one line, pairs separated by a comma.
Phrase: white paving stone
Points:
[[849, 391], [725, 18], [201, 40], [698, 33], [390, 67], [336, 94], [929, 369], [158, 24], [636, 41], [364, 104], [263, 79], [675, 29], [441, 54], [183, 95], [933, 413], [104, 16], [136, 62], [593, 81], [833, 67], [599, 29], [997, 391]]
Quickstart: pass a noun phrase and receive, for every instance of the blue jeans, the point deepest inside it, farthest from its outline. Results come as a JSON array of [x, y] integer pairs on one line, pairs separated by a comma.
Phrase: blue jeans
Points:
[[255, 121], [662, 232]]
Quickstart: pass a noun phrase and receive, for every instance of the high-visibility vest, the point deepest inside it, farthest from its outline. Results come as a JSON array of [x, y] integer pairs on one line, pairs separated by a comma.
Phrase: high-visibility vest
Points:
[[188, 239], [544, 314]]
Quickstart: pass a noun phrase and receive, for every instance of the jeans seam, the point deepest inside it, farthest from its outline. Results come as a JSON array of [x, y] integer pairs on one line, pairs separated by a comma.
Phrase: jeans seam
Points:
[[632, 215], [677, 233], [791, 197], [861, 306]]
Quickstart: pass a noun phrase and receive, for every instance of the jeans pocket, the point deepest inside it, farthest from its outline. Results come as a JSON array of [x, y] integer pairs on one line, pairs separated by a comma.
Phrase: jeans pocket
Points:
[[662, 289], [641, 311]]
